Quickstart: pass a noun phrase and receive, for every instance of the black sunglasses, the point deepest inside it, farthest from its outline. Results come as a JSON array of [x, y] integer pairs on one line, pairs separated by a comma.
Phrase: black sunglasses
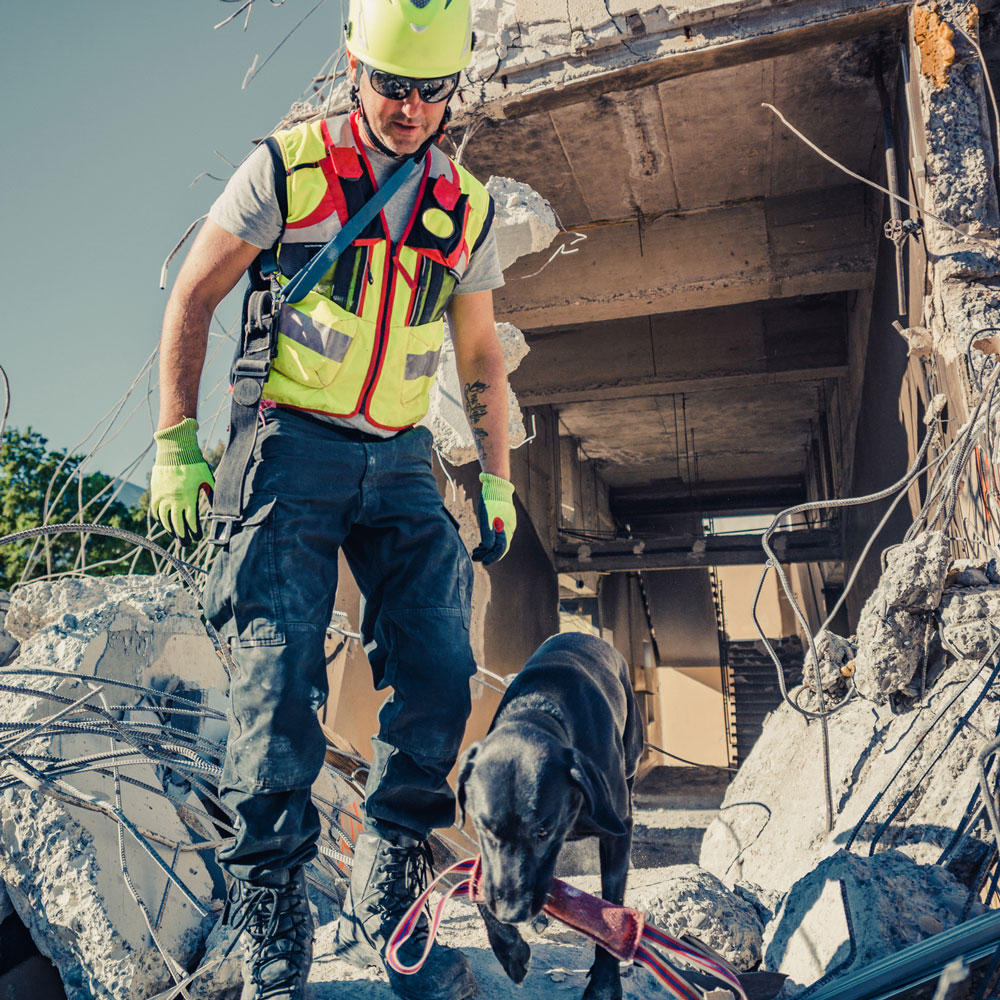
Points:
[[432, 90]]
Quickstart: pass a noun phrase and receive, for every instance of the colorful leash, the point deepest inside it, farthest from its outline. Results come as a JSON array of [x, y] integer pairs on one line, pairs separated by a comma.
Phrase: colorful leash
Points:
[[620, 930]]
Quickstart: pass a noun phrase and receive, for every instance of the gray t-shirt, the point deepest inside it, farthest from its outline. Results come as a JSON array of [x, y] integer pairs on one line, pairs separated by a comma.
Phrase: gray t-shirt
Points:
[[248, 208]]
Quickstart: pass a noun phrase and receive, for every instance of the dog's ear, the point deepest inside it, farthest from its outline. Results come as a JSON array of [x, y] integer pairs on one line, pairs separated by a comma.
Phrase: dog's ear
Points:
[[464, 770], [597, 795]]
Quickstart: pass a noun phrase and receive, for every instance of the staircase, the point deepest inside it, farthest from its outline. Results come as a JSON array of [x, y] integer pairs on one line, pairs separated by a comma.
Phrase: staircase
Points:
[[753, 686]]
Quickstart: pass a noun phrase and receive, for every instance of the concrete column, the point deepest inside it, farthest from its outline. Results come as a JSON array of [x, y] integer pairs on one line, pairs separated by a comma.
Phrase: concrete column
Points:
[[961, 293]]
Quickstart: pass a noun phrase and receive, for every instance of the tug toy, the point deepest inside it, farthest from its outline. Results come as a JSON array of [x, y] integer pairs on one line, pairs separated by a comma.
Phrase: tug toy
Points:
[[620, 930]]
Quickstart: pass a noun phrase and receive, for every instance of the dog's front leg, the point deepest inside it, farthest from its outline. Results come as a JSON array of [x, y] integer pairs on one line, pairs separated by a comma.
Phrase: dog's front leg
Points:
[[605, 976]]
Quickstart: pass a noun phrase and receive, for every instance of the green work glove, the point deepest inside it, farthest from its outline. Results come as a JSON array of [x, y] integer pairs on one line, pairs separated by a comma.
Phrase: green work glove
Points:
[[497, 519], [180, 473]]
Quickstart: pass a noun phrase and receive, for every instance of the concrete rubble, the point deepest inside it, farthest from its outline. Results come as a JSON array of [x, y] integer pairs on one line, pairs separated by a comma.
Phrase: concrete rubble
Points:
[[60, 862], [851, 911], [836, 663], [686, 899], [902, 768], [893, 622]]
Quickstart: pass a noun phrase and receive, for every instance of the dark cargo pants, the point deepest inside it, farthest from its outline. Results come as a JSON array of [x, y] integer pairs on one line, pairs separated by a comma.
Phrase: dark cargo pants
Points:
[[313, 491]]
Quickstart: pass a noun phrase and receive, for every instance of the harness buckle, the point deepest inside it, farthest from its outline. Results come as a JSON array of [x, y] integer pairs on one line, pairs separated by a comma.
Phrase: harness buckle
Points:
[[221, 528]]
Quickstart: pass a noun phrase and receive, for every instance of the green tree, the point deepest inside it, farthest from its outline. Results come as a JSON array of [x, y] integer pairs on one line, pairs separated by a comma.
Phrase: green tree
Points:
[[27, 468]]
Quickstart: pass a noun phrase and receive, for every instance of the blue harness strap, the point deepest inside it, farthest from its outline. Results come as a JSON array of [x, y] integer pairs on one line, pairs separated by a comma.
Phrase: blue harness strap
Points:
[[305, 281]]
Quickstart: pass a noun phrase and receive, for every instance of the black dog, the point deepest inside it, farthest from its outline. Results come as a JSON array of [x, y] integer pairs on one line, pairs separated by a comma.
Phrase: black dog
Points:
[[558, 763]]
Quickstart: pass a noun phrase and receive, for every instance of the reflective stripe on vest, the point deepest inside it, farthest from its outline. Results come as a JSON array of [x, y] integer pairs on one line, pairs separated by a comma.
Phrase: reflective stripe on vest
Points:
[[368, 337]]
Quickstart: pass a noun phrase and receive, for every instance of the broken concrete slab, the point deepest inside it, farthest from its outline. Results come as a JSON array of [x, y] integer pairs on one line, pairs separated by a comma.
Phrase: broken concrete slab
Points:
[[8, 644], [686, 899], [963, 613], [890, 650], [851, 911], [893, 625], [836, 654], [524, 222], [969, 573], [60, 861], [771, 828], [915, 572]]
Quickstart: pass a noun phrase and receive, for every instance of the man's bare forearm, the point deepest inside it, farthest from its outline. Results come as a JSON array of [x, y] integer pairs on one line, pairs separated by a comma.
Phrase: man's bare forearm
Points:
[[484, 393], [483, 377], [183, 345]]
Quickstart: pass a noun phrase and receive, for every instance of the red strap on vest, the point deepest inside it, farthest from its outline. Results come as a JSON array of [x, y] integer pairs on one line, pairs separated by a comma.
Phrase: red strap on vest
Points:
[[446, 192], [346, 162]]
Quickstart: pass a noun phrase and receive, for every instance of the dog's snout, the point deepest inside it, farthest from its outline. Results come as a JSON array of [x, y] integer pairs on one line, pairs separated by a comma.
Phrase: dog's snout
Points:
[[515, 900], [511, 910]]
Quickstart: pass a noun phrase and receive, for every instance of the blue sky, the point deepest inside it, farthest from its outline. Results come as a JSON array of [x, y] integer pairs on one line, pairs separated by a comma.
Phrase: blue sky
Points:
[[110, 109]]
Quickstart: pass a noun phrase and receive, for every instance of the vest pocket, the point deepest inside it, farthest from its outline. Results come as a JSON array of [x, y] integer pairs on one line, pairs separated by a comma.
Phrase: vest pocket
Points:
[[316, 341], [423, 351]]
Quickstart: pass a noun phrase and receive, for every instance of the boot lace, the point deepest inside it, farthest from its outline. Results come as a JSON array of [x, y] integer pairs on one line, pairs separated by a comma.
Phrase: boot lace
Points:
[[278, 923], [401, 874]]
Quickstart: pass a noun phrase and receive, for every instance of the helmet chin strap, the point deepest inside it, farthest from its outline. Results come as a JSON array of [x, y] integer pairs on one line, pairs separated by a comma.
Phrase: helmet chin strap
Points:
[[418, 154]]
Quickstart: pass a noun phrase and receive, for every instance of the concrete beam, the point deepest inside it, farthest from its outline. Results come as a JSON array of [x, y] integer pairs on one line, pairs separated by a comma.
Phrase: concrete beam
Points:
[[653, 387], [546, 63], [746, 345], [630, 555], [767, 248], [659, 501]]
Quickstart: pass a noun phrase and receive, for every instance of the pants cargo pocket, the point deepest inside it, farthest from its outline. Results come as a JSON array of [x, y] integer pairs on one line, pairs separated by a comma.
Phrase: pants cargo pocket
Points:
[[242, 597]]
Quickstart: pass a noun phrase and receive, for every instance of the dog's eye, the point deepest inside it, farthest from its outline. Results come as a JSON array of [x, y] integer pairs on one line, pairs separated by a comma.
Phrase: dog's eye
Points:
[[541, 833]]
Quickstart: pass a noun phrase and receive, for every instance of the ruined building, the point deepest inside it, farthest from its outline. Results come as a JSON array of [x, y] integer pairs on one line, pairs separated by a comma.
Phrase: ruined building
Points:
[[753, 265]]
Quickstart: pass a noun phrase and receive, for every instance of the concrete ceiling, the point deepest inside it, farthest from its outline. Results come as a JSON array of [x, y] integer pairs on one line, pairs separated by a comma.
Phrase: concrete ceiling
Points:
[[685, 341]]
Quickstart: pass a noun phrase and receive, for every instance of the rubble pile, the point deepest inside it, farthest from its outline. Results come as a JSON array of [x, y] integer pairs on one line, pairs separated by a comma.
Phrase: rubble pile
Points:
[[903, 775], [60, 862], [117, 702], [850, 911], [116, 697], [686, 899]]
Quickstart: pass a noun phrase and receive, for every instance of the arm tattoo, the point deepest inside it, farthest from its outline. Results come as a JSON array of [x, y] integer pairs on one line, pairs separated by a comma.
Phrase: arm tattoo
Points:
[[476, 410]]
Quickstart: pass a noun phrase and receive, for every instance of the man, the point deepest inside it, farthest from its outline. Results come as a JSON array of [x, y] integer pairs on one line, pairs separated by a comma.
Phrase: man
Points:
[[338, 465]]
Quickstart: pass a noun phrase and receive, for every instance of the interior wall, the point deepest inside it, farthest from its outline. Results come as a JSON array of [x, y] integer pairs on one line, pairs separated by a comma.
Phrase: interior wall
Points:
[[739, 585], [691, 715]]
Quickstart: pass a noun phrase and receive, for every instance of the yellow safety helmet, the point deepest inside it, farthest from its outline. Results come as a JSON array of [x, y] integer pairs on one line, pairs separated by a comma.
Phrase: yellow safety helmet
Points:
[[415, 38]]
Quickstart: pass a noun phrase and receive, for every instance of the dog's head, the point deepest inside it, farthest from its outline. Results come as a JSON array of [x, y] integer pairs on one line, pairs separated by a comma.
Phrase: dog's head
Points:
[[524, 795]]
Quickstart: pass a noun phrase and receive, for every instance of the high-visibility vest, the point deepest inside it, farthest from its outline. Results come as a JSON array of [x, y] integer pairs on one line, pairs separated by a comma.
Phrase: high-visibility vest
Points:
[[367, 338]]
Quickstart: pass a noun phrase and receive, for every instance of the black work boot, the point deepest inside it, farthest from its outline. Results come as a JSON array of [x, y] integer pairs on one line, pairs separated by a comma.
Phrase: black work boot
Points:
[[388, 875], [278, 928]]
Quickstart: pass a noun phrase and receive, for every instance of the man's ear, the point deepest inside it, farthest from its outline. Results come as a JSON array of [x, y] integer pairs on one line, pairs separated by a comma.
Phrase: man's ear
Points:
[[464, 771], [597, 795]]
